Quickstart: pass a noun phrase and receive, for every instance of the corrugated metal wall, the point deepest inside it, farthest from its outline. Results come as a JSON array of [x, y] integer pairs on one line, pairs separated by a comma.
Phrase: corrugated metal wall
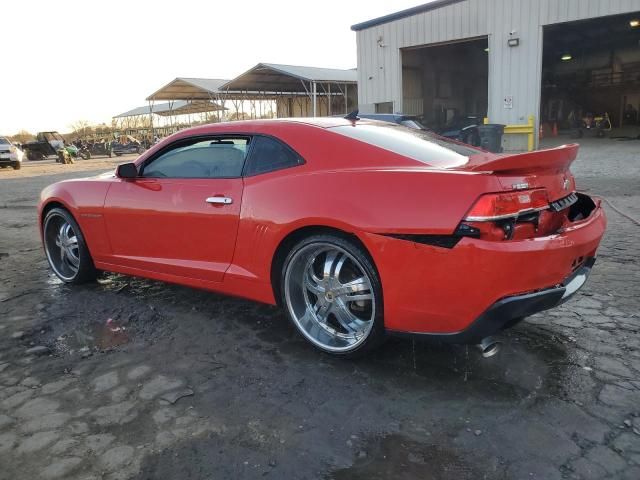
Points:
[[513, 71]]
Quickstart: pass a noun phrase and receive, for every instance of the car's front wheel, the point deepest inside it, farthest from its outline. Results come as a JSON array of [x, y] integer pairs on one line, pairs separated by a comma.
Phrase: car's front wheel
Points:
[[333, 295], [66, 248]]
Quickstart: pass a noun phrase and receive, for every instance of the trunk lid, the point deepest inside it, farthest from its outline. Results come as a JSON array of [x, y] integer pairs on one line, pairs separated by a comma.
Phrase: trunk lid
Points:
[[547, 169]]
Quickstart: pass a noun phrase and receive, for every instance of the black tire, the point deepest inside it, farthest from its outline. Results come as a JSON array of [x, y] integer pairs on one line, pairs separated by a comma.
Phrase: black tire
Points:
[[86, 270], [16, 165], [376, 334]]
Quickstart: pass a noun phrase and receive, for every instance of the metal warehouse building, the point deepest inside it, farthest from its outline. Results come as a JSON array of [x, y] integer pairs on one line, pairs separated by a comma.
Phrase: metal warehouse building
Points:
[[517, 62]]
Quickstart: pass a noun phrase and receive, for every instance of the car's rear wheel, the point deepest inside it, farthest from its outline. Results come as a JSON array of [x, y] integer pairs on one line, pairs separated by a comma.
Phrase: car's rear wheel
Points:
[[66, 248], [333, 295]]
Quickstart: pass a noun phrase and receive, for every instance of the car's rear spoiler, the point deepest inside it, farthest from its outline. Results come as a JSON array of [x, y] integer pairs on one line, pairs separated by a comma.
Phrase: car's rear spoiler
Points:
[[556, 159]]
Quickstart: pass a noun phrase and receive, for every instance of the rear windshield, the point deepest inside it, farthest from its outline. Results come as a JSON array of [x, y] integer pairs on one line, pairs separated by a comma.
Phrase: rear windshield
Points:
[[424, 146]]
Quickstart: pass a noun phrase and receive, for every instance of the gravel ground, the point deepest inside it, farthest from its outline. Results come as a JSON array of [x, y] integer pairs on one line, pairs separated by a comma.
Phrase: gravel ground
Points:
[[129, 378]]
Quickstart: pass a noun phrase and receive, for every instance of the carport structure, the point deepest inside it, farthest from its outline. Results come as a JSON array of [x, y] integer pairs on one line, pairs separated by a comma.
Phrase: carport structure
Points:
[[164, 118], [296, 90], [194, 94]]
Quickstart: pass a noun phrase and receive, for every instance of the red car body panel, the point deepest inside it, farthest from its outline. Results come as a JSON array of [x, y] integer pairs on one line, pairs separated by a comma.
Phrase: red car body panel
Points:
[[191, 238], [163, 229]]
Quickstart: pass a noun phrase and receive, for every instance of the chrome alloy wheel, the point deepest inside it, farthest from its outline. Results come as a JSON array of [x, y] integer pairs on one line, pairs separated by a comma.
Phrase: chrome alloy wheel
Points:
[[61, 246], [330, 297]]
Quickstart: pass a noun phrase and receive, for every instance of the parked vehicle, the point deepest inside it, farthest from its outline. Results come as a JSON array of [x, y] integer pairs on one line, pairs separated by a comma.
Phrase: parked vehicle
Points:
[[82, 151], [409, 121], [598, 125], [10, 155], [356, 228], [65, 156], [77, 152], [464, 130], [127, 145], [100, 148], [45, 144]]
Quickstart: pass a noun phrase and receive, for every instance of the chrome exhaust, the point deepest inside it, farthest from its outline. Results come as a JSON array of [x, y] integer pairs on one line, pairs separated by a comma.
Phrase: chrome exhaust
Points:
[[489, 346]]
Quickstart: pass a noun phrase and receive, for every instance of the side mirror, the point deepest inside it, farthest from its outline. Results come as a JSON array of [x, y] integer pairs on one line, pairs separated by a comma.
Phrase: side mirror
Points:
[[127, 171]]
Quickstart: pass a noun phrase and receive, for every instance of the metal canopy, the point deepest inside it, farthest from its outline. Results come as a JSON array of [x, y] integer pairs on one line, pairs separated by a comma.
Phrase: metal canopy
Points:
[[271, 77], [182, 88], [179, 107]]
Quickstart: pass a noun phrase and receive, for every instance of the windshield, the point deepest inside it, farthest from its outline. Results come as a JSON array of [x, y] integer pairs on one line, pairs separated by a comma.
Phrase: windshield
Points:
[[4, 141], [420, 145]]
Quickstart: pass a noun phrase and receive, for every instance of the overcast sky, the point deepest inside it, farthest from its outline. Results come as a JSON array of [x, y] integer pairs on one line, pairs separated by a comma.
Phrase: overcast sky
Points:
[[64, 60]]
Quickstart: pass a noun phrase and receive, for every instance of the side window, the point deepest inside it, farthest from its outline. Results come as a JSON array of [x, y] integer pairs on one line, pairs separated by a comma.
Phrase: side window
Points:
[[221, 157], [268, 155]]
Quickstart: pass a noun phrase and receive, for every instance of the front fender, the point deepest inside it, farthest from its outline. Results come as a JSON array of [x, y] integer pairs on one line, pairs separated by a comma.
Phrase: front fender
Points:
[[84, 199]]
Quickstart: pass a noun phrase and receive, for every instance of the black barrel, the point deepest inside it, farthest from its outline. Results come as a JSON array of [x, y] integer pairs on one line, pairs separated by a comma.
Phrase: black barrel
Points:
[[491, 137]]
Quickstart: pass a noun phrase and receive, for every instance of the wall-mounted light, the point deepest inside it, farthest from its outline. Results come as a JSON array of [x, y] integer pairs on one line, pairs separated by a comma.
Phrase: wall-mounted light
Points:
[[381, 43], [513, 41], [634, 23], [566, 57], [486, 49]]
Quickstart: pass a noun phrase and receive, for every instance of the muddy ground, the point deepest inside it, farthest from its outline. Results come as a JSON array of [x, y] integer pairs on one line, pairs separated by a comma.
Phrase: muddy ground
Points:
[[129, 378]]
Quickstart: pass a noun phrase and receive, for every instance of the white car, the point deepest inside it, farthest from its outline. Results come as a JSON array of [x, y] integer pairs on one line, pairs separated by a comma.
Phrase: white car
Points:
[[10, 155]]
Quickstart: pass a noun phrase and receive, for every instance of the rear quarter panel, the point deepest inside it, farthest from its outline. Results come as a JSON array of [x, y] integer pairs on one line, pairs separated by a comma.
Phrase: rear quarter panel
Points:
[[356, 201]]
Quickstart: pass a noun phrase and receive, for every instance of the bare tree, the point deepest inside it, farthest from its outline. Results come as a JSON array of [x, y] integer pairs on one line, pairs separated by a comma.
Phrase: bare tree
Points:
[[23, 137], [81, 128]]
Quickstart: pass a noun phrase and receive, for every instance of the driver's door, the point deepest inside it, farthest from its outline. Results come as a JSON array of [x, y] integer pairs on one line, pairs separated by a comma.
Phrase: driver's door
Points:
[[180, 216]]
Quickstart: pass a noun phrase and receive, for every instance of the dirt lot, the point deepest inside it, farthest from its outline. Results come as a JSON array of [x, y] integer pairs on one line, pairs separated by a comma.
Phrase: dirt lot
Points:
[[131, 378]]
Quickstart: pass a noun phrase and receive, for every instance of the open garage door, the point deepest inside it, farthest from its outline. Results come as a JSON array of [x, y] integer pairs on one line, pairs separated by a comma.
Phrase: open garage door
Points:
[[591, 77], [446, 85]]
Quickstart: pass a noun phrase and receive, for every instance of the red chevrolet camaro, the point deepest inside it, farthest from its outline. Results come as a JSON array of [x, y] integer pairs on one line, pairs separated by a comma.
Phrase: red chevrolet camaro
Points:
[[355, 227]]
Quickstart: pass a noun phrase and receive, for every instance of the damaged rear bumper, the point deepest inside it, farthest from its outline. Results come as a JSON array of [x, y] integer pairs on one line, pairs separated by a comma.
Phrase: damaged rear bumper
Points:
[[509, 311]]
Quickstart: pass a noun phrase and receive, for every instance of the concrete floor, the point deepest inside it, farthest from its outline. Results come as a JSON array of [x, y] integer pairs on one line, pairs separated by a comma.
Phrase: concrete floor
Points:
[[145, 380]]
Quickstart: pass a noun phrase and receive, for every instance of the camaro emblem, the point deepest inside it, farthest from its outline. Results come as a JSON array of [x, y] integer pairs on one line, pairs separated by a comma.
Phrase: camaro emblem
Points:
[[520, 186]]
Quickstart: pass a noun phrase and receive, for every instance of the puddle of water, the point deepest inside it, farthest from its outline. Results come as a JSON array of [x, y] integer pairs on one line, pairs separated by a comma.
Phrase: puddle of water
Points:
[[102, 336], [110, 335], [400, 458]]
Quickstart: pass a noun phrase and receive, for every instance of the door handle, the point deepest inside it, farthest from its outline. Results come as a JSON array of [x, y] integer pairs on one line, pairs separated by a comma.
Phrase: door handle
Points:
[[219, 200]]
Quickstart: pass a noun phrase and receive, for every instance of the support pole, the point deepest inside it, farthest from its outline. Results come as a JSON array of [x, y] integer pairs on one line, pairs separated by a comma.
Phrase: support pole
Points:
[[151, 117], [346, 101], [314, 93]]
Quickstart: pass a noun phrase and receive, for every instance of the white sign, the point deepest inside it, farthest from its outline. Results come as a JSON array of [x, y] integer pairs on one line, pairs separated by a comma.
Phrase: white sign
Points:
[[508, 101]]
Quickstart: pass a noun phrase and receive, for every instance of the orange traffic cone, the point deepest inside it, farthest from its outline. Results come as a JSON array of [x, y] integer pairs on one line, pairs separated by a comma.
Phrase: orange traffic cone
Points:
[[555, 129]]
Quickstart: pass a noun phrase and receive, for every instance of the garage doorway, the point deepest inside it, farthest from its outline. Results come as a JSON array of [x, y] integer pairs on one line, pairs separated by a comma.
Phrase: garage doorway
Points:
[[591, 74], [446, 85]]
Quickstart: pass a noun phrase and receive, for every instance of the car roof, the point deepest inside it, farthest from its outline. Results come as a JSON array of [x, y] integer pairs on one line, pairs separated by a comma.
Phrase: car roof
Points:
[[268, 124]]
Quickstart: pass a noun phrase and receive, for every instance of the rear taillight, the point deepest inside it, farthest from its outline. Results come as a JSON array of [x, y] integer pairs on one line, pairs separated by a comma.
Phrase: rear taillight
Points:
[[505, 216], [500, 206]]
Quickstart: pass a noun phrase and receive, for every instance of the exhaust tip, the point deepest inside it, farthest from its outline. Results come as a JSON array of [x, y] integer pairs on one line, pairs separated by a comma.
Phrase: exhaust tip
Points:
[[489, 346]]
